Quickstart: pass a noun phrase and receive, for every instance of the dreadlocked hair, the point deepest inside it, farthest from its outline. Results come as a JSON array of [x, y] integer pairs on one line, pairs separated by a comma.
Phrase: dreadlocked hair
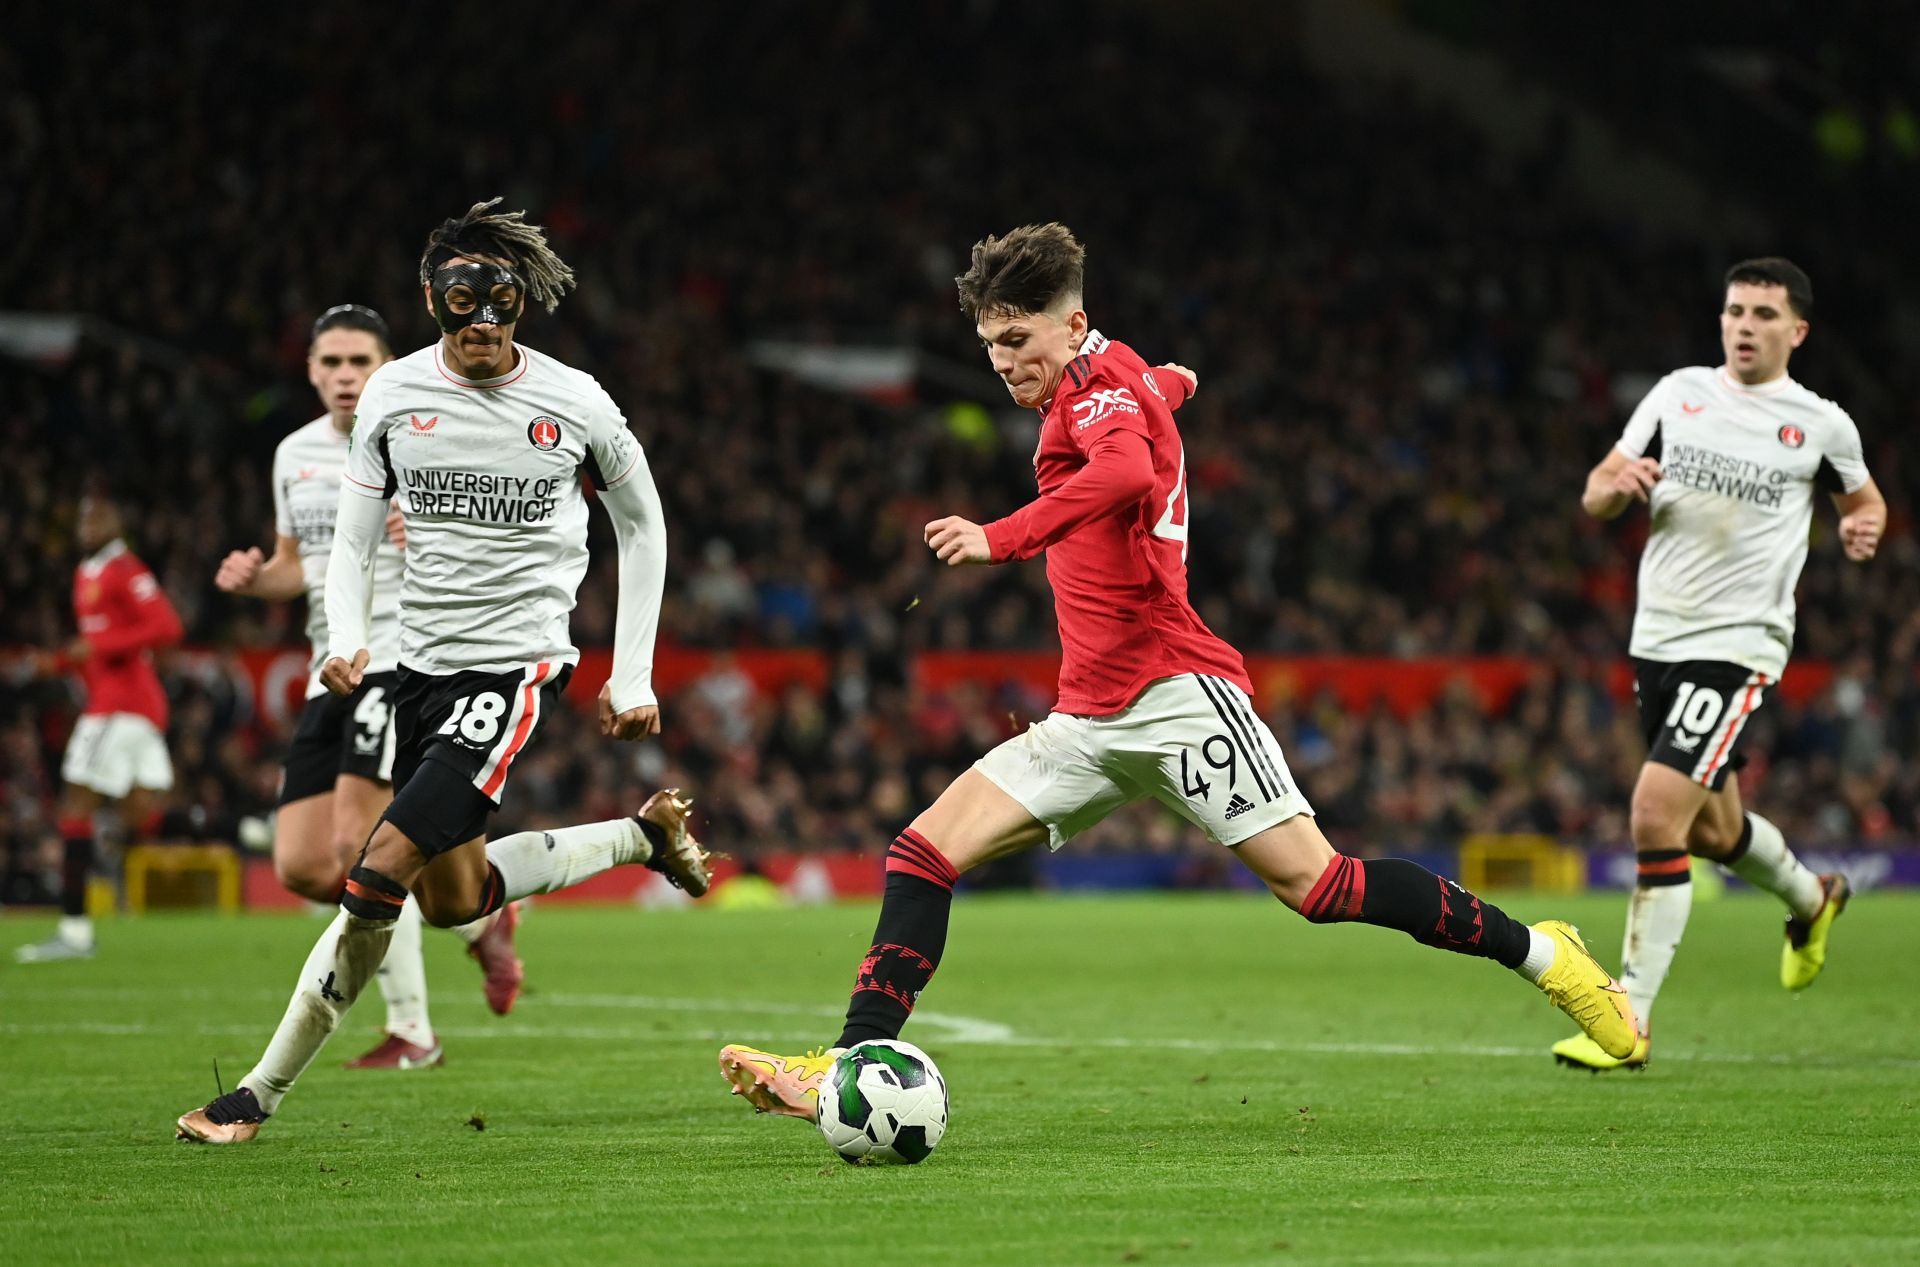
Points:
[[508, 236]]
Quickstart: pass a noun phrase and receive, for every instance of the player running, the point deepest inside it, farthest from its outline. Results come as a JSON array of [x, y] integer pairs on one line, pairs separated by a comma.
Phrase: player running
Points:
[[117, 753], [1727, 461], [485, 442], [1151, 704], [338, 772]]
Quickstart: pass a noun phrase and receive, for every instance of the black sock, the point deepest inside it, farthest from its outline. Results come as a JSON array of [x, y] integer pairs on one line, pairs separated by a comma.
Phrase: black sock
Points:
[[907, 942], [1431, 909], [76, 863]]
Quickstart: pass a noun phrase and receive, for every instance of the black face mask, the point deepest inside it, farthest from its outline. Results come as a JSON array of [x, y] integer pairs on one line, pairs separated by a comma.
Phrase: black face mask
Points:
[[477, 282]]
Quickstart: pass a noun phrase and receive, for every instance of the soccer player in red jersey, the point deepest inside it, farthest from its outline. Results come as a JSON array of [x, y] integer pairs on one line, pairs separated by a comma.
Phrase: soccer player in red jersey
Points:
[[118, 750], [1152, 703]]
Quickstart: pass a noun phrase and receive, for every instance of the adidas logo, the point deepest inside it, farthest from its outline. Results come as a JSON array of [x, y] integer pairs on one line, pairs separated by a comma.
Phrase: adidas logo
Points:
[[1238, 806]]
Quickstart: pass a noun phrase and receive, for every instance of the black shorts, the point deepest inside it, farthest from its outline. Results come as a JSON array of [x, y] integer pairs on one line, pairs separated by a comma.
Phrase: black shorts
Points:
[[471, 727], [338, 735], [1693, 713]]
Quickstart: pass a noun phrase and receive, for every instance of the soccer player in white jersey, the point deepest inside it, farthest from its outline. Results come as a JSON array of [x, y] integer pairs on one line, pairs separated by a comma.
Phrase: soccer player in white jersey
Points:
[[338, 772], [1727, 461], [486, 442]]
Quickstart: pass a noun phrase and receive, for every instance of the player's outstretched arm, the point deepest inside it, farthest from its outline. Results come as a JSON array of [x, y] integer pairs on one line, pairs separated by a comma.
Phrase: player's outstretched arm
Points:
[[1863, 517], [628, 708], [277, 579], [357, 528], [1617, 482], [1118, 473]]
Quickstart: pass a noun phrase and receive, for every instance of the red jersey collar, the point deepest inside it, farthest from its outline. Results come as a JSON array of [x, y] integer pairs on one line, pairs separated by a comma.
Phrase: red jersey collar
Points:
[[1093, 345]]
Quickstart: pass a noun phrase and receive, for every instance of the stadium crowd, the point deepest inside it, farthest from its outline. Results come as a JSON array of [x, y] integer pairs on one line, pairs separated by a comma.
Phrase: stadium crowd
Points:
[[1407, 365]]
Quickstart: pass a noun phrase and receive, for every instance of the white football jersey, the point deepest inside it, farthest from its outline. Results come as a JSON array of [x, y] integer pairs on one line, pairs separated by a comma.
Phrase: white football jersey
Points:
[[306, 497], [1731, 511], [488, 476]]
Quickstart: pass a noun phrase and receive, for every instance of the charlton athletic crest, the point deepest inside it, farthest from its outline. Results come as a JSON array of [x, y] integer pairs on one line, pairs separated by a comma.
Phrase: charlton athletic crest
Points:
[[1790, 435], [544, 434]]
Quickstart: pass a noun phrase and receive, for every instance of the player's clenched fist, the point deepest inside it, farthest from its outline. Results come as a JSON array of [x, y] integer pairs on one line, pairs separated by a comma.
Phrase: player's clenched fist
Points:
[[1193, 379], [957, 541], [1637, 478], [239, 570], [634, 723], [1860, 532], [342, 678]]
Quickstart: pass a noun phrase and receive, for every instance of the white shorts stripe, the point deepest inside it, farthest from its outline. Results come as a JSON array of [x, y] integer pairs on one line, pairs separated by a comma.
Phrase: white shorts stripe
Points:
[[522, 717], [1716, 754]]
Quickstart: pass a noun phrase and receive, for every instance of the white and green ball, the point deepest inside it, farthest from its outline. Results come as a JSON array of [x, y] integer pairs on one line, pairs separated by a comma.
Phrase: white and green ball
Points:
[[883, 1102]]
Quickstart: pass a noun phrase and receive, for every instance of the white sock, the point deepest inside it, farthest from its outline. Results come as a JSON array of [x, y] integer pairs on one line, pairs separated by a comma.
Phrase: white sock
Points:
[[339, 967], [1768, 864], [474, 931], [403, 979], [75, 930], [543, 861], [1656, 918], [1540, 952]]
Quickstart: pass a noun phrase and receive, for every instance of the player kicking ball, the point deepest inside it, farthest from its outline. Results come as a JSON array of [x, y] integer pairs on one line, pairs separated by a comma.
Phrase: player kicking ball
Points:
[[1152, 703], [1727, 461], [484, 441]]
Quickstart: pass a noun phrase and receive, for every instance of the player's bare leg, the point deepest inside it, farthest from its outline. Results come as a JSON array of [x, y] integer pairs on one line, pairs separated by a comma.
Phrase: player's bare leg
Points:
[[1753, 849], [1671, 816], [316, 839], [1304, 872], [486, 874], [73, 936], [972, 822]]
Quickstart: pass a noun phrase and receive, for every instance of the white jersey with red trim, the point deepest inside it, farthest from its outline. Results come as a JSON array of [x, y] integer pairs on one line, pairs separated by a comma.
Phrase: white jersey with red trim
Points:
[[487, 474], [1739, 467], [307, 469]]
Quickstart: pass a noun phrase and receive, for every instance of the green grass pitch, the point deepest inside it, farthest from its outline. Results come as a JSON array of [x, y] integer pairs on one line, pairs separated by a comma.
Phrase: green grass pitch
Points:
[[1154, 1079]]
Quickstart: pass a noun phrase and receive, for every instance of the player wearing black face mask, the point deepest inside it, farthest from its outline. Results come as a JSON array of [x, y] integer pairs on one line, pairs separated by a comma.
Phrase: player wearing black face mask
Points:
[[485, 445]]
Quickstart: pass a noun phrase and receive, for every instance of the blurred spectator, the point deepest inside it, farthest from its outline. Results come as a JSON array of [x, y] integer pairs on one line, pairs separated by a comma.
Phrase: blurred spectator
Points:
[[1411, 350]]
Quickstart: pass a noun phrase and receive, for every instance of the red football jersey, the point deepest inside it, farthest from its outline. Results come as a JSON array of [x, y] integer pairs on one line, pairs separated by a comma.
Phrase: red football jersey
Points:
[[123, 613], [1112, 518]]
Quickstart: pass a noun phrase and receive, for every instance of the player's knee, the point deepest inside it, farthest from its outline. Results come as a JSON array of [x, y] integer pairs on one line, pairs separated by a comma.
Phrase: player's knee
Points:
[[316, 879], [1654, 827], [389, 852]]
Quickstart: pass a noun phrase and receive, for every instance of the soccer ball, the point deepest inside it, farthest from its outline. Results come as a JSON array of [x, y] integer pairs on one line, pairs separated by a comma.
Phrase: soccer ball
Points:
[[883, 1101]]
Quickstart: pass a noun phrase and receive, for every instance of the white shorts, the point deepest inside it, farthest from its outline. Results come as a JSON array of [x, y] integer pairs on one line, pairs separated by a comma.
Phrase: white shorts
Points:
[[113, 753], [1191, 742]]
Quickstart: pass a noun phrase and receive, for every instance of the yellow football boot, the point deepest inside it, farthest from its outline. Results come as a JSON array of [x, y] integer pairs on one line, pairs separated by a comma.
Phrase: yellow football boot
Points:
[[1580, 987], [788, 1085], [1581, 1052], [1806, 950]]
